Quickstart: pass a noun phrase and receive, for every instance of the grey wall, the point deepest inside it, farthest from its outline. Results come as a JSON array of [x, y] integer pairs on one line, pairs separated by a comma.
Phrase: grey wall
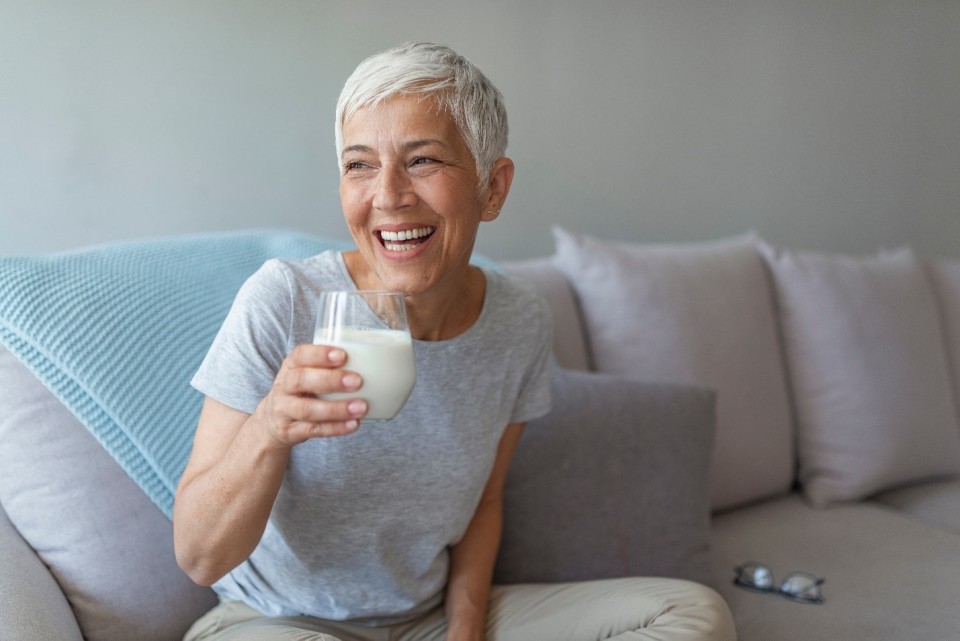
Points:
[[827, 124]]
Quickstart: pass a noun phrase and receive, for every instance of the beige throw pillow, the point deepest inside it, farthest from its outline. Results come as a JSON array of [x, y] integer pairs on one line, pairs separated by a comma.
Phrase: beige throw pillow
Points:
[[869, 376], [699, 314]]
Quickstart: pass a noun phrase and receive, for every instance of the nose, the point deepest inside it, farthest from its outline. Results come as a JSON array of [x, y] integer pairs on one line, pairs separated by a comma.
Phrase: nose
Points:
[[393, 189]]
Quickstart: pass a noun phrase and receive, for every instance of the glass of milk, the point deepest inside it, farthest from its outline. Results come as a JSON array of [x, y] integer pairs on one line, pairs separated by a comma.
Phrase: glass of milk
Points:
[[371, 327]]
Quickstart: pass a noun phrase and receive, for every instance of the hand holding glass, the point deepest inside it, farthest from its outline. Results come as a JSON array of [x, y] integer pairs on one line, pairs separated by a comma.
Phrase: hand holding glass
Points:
[[371, 327]]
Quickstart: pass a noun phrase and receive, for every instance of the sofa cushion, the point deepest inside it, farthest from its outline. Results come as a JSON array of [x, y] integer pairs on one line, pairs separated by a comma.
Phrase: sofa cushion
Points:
[[945, 276], [888, 577], [701, 314], [612, 482], [32, 607], [870, 380], [569, 340], [936, 502], [107, 545]]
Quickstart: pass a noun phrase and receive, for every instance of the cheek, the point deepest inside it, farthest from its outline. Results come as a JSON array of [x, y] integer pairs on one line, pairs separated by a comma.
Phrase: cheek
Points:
[[352, 203]]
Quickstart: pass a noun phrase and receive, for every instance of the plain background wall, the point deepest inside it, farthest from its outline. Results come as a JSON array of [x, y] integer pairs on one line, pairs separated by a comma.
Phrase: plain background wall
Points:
[[825, 124]]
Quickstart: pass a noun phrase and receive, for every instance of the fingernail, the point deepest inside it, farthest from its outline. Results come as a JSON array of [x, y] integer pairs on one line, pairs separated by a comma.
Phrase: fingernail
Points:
[[352, 425], [357, 407], [336, 355], [351, 381]]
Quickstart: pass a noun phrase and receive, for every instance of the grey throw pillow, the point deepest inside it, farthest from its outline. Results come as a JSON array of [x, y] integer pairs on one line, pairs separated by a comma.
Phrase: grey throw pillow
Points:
[[612, 482]]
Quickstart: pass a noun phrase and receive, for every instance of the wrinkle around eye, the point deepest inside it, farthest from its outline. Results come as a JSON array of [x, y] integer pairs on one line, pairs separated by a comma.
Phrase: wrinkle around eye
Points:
[[355, 166]]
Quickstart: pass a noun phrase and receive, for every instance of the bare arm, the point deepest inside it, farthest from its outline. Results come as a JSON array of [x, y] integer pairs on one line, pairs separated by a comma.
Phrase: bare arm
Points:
[[472, 559], [238, 460]]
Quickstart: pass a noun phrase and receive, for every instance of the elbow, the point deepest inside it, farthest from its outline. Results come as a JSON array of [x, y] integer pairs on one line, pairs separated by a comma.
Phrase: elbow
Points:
[[194, 563], [197, 571]]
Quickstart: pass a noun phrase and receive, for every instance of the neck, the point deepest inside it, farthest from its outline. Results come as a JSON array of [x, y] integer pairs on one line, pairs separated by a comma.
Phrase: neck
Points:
[[437, 315], [445, 311]]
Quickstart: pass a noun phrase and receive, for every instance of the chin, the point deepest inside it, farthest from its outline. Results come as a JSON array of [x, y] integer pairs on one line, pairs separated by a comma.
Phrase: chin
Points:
[[408, 286]]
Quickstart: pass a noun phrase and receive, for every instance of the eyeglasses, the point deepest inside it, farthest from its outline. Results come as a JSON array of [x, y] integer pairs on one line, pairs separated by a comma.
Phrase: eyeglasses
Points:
[[798, 586]]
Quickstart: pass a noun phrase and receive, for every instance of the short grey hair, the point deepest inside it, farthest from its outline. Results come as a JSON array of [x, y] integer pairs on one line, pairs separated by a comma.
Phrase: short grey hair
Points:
[[439, 72]]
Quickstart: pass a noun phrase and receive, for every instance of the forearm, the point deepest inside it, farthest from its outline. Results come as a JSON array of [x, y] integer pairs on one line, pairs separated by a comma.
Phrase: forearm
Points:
[[471, 573], [220, 514]]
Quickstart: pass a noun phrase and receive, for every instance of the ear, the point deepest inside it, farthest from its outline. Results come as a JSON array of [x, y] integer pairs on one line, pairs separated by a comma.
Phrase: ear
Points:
[[501, 177]]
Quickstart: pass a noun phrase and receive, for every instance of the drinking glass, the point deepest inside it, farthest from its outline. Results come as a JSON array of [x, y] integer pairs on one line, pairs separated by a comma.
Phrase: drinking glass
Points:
[[371, 327]]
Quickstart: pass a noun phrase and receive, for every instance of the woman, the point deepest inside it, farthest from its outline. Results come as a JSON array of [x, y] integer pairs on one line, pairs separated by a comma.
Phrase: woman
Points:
[[311, 524]]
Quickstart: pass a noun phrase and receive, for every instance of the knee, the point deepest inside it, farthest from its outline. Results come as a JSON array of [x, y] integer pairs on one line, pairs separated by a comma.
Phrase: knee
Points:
[[661, 608], [688, 610], [642, 608]]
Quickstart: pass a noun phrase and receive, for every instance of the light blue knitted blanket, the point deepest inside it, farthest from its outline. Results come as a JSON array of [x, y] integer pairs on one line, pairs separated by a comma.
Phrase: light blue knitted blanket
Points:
[[116, 332]]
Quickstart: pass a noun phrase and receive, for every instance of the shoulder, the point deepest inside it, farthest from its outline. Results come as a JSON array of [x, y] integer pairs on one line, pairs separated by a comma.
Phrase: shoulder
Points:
[[278, 282], [515, 293], [516, 304], [325, 264], [290, 273]]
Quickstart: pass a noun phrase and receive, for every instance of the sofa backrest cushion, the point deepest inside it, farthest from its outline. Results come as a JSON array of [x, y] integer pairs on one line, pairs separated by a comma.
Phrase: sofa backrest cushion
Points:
[[870, 381], [107, 545], [701, 314], [612, 482], [569, 340], [945, 275]]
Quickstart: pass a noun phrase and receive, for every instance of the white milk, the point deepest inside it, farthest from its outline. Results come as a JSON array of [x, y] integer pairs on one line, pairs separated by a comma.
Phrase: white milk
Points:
[[384, 358]]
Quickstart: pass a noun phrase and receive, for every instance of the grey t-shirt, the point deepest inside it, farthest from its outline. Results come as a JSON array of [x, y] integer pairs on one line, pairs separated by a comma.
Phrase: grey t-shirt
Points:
[[361, 527]]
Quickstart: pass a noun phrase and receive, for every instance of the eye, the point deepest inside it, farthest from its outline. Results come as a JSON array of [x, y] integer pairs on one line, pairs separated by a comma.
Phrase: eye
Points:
[[424, 160], [354, 165]]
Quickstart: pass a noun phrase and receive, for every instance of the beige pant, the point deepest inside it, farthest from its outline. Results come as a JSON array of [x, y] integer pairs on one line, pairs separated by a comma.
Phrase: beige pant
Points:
[[622, 609]]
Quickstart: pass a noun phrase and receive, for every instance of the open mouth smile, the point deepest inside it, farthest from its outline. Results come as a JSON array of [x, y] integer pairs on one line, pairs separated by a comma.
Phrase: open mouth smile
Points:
[[404, 240]]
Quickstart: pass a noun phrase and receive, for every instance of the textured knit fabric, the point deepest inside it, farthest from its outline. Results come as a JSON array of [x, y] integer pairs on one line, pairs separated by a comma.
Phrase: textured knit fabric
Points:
[[116, 332], [361, 527]]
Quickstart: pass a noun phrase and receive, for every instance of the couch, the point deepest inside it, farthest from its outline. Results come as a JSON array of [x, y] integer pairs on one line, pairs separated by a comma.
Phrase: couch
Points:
[[716, 404]]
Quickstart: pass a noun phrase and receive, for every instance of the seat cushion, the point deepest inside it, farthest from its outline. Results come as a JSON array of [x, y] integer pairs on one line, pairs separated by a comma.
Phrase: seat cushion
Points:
[[888, 577], [935, 502], [107, 545], [32, 606], [698, 314]]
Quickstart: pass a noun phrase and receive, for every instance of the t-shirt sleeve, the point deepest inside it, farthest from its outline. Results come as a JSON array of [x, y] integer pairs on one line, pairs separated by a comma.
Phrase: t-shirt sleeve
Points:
[[247, 352], [534, 399]]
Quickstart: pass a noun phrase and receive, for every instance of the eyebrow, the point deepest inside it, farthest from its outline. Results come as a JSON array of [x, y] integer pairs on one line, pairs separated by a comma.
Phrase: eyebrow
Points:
[[407, 146]]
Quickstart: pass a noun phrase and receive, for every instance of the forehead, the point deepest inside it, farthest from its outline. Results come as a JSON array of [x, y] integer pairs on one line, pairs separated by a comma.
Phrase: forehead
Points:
[[399, 118]]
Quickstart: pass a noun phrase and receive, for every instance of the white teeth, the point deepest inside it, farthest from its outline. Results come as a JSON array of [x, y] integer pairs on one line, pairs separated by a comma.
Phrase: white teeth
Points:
[[399, 248], [395, 240], [408, 234]]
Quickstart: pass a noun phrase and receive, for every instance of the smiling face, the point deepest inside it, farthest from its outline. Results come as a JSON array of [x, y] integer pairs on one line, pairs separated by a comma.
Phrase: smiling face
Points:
[[409, 196]]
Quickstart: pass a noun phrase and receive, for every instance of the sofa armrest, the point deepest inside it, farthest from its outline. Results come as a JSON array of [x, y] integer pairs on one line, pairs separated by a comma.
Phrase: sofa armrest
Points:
[[32, 607]]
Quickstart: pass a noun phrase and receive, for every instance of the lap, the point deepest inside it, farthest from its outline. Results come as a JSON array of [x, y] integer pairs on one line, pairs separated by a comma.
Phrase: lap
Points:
[[630, 609], [236, 621]]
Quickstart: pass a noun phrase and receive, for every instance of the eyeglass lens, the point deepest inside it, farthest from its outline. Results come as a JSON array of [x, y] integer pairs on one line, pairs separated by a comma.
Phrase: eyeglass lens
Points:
[[797, 585]]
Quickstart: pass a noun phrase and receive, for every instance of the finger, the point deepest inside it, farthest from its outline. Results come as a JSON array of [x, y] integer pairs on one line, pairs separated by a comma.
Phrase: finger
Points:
[[299, 432], [291, 420], [309, 410], [328, 430], [318, 381], [311, 355]]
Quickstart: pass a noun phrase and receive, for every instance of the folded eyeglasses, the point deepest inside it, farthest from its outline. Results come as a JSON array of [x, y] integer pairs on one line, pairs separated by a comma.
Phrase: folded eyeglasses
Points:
[[798, 586]]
